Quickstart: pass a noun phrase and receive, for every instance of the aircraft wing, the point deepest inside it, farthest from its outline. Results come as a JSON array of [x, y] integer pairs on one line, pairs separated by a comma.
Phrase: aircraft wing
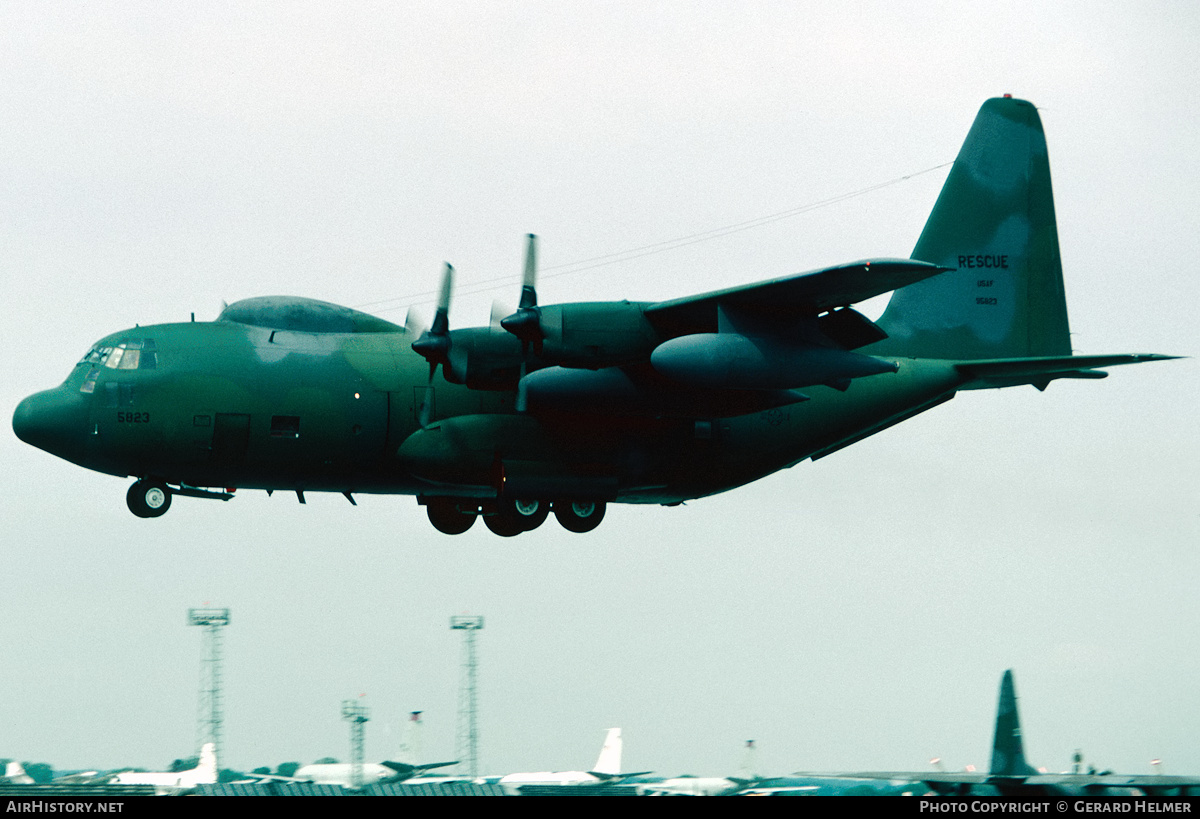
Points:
[[407, 770], [257, 779], [800, 294], [947, 778], [951, 783], [614, 777], [1149, 784]]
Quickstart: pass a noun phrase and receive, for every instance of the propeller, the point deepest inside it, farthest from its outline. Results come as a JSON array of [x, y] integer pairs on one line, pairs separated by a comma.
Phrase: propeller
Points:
[[414, 325], [434, 343], [499, 313], [526, 323]]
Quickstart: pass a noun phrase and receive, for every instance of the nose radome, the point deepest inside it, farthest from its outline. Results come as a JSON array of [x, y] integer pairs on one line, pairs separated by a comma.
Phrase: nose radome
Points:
[[53, 420]]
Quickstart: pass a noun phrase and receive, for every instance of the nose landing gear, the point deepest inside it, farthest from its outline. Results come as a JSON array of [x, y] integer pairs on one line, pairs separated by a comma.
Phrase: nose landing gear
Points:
[[148, 498]]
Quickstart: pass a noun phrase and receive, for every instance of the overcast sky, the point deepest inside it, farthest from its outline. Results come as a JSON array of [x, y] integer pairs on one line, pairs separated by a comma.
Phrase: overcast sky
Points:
[[856, 613]]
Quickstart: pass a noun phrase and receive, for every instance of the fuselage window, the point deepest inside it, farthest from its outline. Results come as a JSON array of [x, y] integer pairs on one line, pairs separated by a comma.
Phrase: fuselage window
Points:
[[118, 395], [285, 426]]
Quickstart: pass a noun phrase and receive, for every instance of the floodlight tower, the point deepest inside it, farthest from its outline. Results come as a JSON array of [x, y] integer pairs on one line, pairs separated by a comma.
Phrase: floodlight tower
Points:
[[209, 717], [749, 768], [357, 714], [467, 745]]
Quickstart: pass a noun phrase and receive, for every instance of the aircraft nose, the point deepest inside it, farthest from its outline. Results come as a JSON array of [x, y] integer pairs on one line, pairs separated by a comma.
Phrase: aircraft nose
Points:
[[53, 420]]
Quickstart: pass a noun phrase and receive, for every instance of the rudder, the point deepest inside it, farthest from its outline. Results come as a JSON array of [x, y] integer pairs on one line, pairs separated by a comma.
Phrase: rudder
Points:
[[994, 223]]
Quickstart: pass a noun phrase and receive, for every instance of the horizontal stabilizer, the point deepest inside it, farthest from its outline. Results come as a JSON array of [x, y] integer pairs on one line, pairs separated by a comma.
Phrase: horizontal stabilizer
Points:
[[1008, 372]]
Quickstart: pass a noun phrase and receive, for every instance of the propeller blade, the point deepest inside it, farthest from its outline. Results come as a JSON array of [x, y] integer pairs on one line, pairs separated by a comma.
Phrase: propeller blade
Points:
[[441, 319], [414, 325], [529, 284], [522, 400], [434, 343], [499, 311], [426, 404], [526, 323]]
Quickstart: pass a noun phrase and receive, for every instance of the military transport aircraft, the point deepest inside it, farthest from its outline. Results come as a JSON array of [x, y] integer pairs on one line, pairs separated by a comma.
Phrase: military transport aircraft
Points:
[[568, 407], [1007, 775], [205, 773], [607, 770]]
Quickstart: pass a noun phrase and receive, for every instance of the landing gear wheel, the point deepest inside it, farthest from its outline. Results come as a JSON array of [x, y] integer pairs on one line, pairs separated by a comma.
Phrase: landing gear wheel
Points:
[[148, 499], [532, 513], [506, 521], [447, 518], [579, 516]]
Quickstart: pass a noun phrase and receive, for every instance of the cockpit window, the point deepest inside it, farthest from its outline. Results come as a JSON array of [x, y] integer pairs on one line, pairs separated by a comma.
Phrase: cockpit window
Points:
[[131, 354], [96, 356]]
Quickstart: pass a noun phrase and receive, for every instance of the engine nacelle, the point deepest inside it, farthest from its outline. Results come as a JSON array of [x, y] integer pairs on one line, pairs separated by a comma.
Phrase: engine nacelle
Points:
[[735, 361], [595, 335], [483, 358]]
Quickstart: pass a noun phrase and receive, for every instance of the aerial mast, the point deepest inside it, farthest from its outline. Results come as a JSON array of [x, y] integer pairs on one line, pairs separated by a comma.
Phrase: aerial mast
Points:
[[357, 714], [209, 714], [467, 745]]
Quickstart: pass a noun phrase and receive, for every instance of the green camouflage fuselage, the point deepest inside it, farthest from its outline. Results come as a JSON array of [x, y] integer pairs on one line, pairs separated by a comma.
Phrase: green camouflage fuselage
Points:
[[231, 405]]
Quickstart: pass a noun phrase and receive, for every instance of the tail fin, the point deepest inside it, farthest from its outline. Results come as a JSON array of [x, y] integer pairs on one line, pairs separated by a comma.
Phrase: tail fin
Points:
[[748, 770], [410, 742], [1008, 750], [993, 222], [609, 761], [206, 768], [14, 774]]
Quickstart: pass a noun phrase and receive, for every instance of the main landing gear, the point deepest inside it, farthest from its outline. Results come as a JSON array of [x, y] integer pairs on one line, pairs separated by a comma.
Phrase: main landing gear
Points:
[[579, 516], [509, 518]]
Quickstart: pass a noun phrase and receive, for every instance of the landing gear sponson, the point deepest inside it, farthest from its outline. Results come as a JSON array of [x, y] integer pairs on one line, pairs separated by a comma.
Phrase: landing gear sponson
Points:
[[508, 518]]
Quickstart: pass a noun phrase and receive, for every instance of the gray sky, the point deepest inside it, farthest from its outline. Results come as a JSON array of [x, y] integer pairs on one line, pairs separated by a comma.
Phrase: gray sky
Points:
[[855, 613]]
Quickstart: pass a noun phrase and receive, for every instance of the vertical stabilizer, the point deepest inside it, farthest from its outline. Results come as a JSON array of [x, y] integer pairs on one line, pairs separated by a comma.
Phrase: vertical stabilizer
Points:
[[609, 761], [410, 742], [749, 767], [14, 774], [994, 224], [1008, 749], [206, 768]]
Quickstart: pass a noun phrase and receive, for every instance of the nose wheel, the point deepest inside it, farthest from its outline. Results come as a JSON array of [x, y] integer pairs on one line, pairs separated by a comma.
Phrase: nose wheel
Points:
[[148, 498]]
